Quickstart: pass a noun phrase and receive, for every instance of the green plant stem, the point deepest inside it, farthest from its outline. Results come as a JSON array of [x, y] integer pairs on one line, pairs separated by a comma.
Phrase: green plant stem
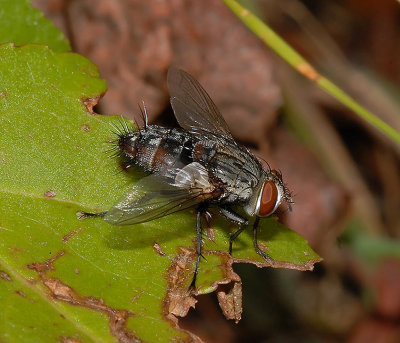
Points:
[[284, 50]]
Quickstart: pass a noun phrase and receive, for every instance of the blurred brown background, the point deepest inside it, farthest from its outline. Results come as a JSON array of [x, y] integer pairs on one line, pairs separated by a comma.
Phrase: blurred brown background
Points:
[[343, 173]]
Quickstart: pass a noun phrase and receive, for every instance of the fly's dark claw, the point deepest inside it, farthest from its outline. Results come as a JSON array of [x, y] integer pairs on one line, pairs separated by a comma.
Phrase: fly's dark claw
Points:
[[263, 254], [255, 243], [230, 243], [230, 247], [83, 215], [192, 285], [232, 237]]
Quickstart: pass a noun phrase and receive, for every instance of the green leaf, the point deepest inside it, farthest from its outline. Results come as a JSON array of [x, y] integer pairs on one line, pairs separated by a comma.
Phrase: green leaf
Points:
[[20, 24], [86, 279], [17, 296]]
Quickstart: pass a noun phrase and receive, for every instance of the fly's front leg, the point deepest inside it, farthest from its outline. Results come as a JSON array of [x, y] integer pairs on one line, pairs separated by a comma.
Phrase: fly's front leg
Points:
[[237, 219], [255, 243], [200, 210]]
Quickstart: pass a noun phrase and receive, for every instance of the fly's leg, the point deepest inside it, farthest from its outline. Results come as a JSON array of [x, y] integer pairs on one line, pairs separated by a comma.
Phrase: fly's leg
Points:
[[255, 243], [233, 236], [199, 232], [237, 219], [83, 215], [207, 216]]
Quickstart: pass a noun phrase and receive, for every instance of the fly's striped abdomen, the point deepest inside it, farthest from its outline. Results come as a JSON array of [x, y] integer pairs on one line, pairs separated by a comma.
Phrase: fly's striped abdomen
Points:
[[156, 148]]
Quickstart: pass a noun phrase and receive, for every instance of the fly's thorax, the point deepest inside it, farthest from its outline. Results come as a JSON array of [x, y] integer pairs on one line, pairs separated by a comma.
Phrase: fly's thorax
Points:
[[231, 168], [203, 150], [268, 195]]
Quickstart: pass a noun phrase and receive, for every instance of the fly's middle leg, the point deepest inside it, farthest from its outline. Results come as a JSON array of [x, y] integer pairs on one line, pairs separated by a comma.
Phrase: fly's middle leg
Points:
[[255, 243], [237, 219], [199, 240]]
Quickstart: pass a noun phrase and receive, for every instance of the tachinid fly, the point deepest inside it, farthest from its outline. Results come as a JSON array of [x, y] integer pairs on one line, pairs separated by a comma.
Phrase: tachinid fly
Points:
[[199, 164]]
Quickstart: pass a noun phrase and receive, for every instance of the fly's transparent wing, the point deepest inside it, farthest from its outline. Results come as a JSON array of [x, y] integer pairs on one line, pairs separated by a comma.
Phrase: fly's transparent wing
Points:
[[193, 107], [154, 197]]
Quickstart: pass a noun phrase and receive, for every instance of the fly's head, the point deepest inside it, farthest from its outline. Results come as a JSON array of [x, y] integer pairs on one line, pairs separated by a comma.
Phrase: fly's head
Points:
[[270, 193]]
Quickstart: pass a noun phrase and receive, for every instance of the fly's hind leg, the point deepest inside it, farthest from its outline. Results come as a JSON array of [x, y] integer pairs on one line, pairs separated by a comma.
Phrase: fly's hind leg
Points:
[[199, 240], [237, 219], [255, 243], [82, 215]]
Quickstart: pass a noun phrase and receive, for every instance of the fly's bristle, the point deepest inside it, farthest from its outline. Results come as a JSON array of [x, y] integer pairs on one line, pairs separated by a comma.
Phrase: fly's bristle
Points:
[[143, 112], [125, 125], [122, 132], [114, 151], [122, 129]]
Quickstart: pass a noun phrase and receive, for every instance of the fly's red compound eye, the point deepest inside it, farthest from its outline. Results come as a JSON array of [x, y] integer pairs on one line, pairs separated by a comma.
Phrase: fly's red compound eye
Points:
[[268, 199]]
